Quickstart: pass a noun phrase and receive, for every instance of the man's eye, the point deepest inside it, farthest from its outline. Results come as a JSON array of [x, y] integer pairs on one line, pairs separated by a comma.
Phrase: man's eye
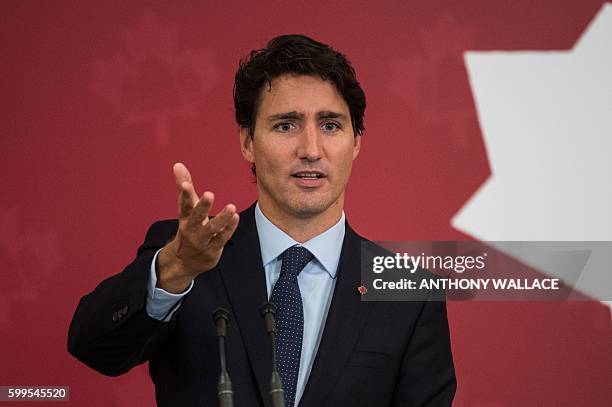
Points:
[[331, 126], [283, 127]]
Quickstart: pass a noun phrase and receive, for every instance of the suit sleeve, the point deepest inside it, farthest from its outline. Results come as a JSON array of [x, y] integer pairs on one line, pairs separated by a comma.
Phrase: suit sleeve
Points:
[[427, 376], [111, 331]]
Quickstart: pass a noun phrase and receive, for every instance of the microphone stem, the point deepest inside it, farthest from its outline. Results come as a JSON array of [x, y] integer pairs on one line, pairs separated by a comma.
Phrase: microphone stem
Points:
[[274, 359], [277, 392], [225, 392], [222, 354]]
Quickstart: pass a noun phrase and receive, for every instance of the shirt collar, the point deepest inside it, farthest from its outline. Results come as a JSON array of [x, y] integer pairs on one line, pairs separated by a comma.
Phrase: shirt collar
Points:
[[325, 247]]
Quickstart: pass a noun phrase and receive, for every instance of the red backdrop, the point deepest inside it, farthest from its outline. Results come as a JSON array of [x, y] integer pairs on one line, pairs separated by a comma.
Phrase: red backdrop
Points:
[[100, 98]]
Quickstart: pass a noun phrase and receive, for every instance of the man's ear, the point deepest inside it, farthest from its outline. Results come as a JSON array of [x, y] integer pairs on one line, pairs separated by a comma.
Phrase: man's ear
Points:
[[246, 145], [356, 145]]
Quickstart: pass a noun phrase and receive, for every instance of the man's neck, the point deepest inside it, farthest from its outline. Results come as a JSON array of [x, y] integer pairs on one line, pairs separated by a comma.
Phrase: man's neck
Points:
[[302, 229]]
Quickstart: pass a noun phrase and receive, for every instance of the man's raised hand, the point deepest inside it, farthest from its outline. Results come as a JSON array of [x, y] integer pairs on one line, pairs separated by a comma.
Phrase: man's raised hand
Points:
[[199, 241]]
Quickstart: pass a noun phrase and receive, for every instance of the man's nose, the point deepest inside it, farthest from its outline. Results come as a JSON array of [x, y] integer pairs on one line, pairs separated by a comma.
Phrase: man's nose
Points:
[[309, 147]]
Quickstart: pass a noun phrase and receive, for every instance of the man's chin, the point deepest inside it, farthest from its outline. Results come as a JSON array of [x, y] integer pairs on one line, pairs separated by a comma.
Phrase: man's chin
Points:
[[305, 210], [300, 206]]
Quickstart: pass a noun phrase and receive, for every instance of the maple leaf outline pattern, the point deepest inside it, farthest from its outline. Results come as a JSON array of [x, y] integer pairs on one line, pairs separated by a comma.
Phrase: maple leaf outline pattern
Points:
[[435, 83], [154, 81], [31, 255]]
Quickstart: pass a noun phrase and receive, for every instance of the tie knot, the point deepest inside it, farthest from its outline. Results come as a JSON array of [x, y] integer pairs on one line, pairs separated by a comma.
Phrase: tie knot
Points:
[[295, 259]]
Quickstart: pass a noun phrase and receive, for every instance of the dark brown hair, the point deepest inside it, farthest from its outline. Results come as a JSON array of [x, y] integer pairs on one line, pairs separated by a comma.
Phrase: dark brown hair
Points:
[[295, 54]]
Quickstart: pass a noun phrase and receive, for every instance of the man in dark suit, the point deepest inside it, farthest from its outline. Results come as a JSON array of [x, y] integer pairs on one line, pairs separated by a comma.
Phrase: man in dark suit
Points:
[[300, 110]]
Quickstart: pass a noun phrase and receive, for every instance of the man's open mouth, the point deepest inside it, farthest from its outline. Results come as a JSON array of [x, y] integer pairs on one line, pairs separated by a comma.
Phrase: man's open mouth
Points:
[[308, 175]]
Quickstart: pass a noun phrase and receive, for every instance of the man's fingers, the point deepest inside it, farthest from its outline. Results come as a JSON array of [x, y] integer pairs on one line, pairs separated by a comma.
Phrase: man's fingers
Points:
[[187, 195], [200, 211], [220, 239], [181, 174], [222, 220], [182, 177], [187, 199]]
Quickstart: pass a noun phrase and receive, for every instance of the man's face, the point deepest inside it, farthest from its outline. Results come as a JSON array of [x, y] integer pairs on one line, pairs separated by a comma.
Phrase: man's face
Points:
[[303, 147]]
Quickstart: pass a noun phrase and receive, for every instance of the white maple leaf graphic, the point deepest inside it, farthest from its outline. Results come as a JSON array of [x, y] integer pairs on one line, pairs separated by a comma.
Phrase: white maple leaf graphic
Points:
[[546, 119], [154, 81]]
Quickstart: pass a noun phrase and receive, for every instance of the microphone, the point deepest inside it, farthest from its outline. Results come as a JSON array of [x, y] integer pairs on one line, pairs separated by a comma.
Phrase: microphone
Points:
[[268, 311], [225, 393]]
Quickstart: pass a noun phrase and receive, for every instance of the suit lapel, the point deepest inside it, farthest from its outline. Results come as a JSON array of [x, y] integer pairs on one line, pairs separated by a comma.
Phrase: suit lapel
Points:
[[345, 320], [243, 275]]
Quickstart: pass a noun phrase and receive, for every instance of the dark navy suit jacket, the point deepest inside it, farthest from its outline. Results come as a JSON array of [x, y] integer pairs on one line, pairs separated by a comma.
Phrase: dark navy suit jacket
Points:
[[371, 353]]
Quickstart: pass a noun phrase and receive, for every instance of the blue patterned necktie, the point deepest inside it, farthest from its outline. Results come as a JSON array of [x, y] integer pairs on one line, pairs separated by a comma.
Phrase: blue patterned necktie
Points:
[[290, 318]]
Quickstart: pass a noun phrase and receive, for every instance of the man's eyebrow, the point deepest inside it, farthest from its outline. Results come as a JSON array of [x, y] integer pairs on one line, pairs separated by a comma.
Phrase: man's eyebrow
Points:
[[328, 114], [286, 115], [294, 115]]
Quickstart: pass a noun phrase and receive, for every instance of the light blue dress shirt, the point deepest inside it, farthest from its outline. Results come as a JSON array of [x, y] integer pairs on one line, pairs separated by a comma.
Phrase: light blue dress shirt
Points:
[[317, 281]]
